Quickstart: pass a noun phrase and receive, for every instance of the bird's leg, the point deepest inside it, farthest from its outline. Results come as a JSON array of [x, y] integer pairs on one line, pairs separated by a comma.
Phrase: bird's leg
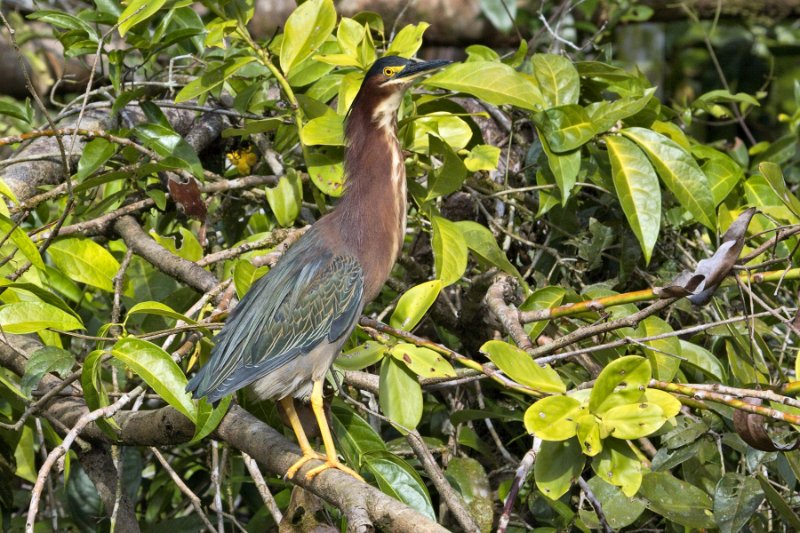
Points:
[[332, 461], [308, 452]]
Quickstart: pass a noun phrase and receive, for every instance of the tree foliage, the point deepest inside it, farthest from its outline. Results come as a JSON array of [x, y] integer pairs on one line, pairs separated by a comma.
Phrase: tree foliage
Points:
[[505, 377]]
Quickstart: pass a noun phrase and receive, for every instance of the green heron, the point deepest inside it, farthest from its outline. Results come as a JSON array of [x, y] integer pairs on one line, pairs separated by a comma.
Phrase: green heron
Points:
[[285, 333]]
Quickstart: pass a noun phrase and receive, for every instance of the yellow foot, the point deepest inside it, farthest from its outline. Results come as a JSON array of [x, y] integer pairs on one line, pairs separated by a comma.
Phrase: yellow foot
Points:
[[307, 456], [332, 464]]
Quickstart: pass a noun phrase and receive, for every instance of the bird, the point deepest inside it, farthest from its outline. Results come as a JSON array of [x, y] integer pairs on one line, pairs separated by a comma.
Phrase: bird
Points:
[[285, 333]]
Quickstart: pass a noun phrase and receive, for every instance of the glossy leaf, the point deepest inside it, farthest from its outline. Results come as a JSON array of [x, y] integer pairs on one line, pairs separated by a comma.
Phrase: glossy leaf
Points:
[[138, 11], [736, 498], [354, 436], [42, 361], [637, 188], [557, 467], [492, 82], [159, 309], [482, 157], [400, 394], [558, 80], [539, 300], [553, 418], [174, 149], [669, 404], [590, 434], [95, 153], [774, 176], [158, 370], [85, 261], [482, 243], [306, 29], [679, 171], [620, 511], [704, 360], [450, 175], [21, 240], [413, 305], [677, 500], [286, 198], [398, 479], [31, 317], [327, 129], [624, 378], [605, 114], [633, 420], [422, 361], [566, 127], [519, 366], [361, 356], [326, 170], [619, 466], [212, 78], [209, 417], [565, 168], [408, 40], [665, 357], [449, 251]]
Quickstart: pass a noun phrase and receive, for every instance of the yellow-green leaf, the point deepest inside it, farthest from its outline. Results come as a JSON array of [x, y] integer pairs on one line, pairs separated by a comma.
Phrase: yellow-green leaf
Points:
[[413, 305], [519, 366], [85, 261], [31, 317], [449, 251], [553, 418], [306, 29], [422, 361], [496, 83]]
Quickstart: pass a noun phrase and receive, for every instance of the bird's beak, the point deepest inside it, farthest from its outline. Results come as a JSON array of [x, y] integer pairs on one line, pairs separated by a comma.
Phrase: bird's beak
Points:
[[415, 70]]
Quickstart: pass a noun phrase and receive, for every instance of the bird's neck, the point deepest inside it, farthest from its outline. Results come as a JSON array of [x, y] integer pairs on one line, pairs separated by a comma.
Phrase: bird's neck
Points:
[[372, 212]]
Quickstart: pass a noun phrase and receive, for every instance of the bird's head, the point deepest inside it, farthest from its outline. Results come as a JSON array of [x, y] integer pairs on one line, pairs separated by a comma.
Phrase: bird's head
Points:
[[385, 82]]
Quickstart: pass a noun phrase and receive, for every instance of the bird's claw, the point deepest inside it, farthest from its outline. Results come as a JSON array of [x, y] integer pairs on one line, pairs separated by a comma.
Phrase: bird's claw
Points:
[[307, 456], [332, 464]]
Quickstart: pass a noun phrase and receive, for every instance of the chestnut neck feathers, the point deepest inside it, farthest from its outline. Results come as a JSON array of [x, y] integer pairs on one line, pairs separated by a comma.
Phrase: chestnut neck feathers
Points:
[[371, 215]]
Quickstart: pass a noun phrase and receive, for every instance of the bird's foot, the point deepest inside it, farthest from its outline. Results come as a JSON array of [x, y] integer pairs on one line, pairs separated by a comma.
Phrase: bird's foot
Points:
[[308, 455], [332, 463]]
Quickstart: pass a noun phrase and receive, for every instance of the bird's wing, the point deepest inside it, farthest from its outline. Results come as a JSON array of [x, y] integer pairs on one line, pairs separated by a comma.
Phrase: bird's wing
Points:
[[284, 315]]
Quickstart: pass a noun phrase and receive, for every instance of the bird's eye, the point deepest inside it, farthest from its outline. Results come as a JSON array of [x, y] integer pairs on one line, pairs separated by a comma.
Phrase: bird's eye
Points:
[[388, 72]]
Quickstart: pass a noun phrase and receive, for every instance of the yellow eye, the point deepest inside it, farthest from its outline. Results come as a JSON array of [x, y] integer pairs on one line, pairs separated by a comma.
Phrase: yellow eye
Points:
[[388, 72]]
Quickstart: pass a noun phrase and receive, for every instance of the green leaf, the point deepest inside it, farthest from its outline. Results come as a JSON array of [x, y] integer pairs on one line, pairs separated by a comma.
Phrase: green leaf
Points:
[[566, 127], [449, 251], [633, 420], [590, 434], [361, 356], [400, 394], [774, 176], [408, 40], [604, 114], [413, 305], [679, 171], [138, 11], [624, 378], [66, 21], [677, 500], [21, 240], [736, 498], [177, 153], [520, 367], [326, 170], [492, 82], [619, 466], [32, 317], [306, 29], [704, 360], [422, 361], [354, 436], [482, 243], [448, 177], [553, 418], [85, 261], [620, 510], [668, 403], [95, 153], [42, 361], [777, 502], [723, 174], [159, 371], [482, 157], [6, 191], [327, 129], [399, 480], [558, 80], [159, 309], [286, 198], [539, 300], [665, 357], [209, 417], [558, 465], [565, 168], [213, 78], [637, 189], [449, 128], [469, 477]]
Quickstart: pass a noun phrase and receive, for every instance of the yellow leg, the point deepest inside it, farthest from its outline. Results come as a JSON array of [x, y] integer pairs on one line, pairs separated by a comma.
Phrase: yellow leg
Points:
[[302, 440], [332, 460]]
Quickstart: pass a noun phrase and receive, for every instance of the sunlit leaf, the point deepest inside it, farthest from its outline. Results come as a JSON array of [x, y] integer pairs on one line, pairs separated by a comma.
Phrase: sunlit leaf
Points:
[[520, 367], [449, 251], [306, 29]]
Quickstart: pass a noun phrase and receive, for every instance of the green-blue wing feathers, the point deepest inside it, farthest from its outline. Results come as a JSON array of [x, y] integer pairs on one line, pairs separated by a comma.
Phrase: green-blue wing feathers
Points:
[[311, 296]]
